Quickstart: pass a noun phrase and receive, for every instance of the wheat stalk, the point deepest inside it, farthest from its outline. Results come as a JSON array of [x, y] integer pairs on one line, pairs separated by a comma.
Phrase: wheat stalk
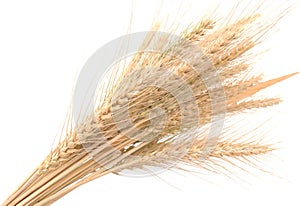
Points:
[[228, 47]]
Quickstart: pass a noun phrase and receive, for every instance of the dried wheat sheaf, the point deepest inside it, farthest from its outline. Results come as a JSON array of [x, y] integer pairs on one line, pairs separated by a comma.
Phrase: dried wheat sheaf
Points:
[[227, 46]]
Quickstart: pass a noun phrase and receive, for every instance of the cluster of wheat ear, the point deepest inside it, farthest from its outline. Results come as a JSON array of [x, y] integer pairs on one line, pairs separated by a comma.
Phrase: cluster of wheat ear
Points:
[[160, 144]]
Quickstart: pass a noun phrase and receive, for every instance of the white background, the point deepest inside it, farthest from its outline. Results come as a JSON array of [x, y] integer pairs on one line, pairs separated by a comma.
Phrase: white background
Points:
[[43, 46]]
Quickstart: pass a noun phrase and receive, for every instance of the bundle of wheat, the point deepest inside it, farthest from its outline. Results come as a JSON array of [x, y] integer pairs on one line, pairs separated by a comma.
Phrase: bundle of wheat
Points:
[[168, 97]]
